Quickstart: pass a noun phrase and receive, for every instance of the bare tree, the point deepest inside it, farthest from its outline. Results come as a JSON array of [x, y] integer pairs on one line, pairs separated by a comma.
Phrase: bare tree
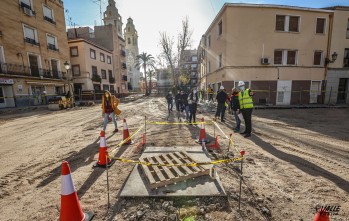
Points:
[[184, 39], [167, 43]]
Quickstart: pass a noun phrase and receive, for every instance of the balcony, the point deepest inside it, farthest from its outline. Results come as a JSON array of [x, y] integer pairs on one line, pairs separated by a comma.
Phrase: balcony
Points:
[[124, 65], [96, 78], [111, 80], [49, 20], [52, 47], [31, 41], [123, 53], [124, 77], [20, 70]]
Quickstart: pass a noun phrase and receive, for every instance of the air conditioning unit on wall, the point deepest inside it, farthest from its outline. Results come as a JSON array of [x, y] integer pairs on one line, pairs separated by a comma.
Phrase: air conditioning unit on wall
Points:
[[265, 61]]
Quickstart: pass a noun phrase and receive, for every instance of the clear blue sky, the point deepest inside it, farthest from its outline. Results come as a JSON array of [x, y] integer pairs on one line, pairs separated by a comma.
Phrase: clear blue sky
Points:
[[153, 16]]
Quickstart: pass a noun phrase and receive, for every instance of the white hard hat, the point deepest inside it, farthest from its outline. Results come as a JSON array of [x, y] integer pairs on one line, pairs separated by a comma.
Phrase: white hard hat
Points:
[[241, 83], [222, 88]]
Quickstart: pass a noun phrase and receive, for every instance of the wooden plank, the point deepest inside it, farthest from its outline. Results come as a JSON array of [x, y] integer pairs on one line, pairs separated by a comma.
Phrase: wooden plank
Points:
[[184, 157], [202, 167], [157, 170], [188, 171], [148, 174], [166, 169], [169, 161]]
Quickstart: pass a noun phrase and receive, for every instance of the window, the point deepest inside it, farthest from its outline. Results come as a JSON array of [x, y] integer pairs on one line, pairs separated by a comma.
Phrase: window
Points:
[[209, 41], [105, 87], [219, 61], [74, 52], [348, 29], [26, 4], [48, 14], [110, 74], [104, 74], [317, 57], [112, 88], [287, 23], [194, 66], [220, 28], [108, 59], [346, 58], [30, 35], [285, 57], [51, 42], [128, 41], [76, 69], [92, 54], [102, 57], [208, 67], [194, 58], [320, 25], [94, 70]]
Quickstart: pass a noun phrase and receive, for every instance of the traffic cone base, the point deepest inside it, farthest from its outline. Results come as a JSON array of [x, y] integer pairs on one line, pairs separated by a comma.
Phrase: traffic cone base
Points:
[[214, 146], [103, 161]]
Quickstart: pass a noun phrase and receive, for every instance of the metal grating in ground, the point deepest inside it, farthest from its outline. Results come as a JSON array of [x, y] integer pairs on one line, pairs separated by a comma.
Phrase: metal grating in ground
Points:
[[159, 176]]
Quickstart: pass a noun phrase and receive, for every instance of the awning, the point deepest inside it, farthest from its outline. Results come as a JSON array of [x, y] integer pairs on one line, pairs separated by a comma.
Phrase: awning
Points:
[[44, 83]]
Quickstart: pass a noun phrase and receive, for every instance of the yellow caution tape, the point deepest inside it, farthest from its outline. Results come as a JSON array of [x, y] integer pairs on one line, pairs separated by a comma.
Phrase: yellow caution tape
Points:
[[177, 165], [176, 123], [128, 138]]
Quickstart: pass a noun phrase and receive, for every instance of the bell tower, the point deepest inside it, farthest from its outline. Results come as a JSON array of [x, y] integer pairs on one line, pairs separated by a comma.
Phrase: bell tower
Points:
[[112, 17]]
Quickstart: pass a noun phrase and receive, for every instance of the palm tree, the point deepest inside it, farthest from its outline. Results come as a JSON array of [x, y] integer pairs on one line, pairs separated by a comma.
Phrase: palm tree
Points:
[[145, 60]]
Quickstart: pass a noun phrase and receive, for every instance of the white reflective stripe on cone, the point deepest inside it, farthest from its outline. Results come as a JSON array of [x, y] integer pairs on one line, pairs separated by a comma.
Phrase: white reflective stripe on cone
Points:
[[202, 125], [67, 185], [103, 142], [125, 126]]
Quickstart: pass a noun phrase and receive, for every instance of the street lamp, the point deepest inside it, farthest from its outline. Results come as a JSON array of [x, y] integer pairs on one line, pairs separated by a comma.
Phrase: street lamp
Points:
[[67, 67], [334, 58]]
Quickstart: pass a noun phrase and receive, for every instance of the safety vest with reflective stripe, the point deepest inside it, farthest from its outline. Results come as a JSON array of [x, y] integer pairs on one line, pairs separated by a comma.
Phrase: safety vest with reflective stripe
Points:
[[245, 100]]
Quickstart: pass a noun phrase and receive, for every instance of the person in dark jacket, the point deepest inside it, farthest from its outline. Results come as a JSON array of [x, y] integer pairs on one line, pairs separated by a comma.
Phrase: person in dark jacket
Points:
[[169, 99], [221, 99], [193, 103], [235, 108], [185, 105], [179, 103]]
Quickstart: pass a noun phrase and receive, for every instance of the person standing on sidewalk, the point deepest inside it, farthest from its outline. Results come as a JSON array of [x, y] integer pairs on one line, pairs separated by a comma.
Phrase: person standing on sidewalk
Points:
[[193, 104], [169, 99], [246, 107], [235, 108], [221, 99], [109, 107]]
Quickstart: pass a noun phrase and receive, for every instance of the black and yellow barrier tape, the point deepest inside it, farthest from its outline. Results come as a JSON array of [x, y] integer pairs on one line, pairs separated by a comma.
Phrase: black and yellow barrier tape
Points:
[[178, 123]]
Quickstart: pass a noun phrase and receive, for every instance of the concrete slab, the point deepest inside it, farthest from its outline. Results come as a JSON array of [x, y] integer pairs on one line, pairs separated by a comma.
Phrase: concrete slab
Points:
[[136, 184]]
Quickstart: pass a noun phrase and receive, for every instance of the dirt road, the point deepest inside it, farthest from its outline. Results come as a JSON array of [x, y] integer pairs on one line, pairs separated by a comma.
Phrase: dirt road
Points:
[[296, 160]]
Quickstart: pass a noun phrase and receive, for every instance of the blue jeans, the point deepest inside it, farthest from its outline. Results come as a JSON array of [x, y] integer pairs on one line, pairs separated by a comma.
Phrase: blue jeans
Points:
[[105, 122], [187, 111], [237, 119]]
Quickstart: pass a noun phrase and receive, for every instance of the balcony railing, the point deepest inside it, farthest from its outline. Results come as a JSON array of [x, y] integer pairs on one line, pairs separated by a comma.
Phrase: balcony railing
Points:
[[20, 70], [49, 20], [124, 77], [96, 78], [31, 41], [124, 65], [52, 47], [111, 80], [123, 53]]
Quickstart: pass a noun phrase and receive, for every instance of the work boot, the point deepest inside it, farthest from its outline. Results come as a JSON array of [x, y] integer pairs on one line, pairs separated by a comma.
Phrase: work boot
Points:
[[247, 135], [116, 130]]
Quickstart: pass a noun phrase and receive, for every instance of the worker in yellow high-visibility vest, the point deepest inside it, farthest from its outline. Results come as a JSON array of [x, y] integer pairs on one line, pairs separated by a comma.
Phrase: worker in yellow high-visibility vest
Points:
[[246, 107]]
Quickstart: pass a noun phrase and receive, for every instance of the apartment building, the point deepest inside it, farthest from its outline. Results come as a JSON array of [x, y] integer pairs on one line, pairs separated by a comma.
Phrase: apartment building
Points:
[[33, 49], [91, 66], [188, 69], [108, 36], [281, 52], [337, 76]]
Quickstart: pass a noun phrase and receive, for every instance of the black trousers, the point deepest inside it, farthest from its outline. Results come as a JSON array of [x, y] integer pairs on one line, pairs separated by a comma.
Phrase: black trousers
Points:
[[220, 110], [192, 115], [247, 114]]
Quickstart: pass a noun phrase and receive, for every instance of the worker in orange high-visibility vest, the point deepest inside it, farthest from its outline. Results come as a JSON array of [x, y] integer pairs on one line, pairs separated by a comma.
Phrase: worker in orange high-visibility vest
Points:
[[246, 107]]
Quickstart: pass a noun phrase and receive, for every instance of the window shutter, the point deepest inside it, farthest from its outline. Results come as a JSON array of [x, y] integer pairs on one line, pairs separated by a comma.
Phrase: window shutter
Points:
[[320, 25], [29, 33], [51, 40], [291, 57], [278, 57], [317, 57], [47, 12], [27, 2], [294, 24], [280, 23]]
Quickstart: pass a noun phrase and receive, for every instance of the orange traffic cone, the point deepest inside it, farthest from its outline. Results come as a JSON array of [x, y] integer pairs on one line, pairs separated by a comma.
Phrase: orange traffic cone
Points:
[[70, 206], [126, 134], [103, 153], [214, 146], [202, 136], [322, 215]]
